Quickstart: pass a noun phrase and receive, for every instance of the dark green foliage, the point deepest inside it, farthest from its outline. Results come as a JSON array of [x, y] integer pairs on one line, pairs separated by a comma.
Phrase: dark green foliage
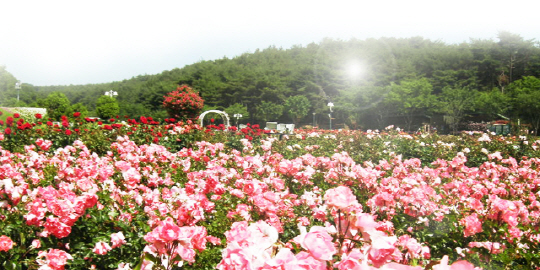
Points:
[[263, 80], [57, 105], [107, 107], [268, 111], [80, 108], [297, 107]]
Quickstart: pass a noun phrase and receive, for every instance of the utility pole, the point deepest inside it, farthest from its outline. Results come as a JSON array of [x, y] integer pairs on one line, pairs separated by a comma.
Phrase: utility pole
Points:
[[18, 87]]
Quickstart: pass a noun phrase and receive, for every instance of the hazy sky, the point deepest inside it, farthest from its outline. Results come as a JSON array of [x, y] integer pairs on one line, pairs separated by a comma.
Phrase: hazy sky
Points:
[[57, 42]]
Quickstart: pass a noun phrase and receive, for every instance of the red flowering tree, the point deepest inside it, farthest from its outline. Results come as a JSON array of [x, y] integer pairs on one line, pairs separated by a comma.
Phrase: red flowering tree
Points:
[[184, 103]]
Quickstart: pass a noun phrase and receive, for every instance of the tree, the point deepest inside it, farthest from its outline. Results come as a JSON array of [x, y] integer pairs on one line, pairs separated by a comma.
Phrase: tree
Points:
[[107, 107], [526, 100], [456, 103], [494, 103], [412, 98], [57, 104], [367, 106], [7, 87], [297, 107], [80, 108], [184, 103], [134, 110], [514, 51], [268, 111], [237, 108]]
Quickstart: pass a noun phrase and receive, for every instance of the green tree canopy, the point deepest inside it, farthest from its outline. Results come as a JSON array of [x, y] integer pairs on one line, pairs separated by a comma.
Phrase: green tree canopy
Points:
[[107, 107], [268, 111], [413, 98], [237, 108], [456, 103], [526, 100], [80, 108], [57, 104], [494, 103], [297, 107]]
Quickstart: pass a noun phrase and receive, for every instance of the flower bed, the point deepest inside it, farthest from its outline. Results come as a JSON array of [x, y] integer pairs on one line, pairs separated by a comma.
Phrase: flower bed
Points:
[[241, 199]]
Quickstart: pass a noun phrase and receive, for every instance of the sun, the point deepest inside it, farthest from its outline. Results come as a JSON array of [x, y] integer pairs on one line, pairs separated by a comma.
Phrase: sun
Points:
[[355, 70]]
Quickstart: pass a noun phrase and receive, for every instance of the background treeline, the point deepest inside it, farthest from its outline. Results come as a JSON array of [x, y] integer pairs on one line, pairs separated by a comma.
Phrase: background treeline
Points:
[[403, 81]]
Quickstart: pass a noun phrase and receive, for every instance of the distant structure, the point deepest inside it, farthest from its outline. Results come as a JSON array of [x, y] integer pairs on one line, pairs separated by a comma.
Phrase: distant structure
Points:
[[222, 113]]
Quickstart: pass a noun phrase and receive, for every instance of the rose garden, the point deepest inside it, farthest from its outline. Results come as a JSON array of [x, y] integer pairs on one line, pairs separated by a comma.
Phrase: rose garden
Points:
[[145, 194]]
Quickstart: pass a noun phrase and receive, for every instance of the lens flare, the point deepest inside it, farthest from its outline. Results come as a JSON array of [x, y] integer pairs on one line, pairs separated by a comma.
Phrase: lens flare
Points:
[[355, 70]]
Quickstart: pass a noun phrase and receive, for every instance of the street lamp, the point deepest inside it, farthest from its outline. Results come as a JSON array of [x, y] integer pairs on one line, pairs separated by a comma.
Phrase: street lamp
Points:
[[237, 115], [18, 87], [330, 105], [111, 93], [313, 119]]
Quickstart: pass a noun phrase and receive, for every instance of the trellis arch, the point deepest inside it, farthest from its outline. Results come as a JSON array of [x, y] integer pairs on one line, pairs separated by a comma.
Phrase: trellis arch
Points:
[[222, 113]]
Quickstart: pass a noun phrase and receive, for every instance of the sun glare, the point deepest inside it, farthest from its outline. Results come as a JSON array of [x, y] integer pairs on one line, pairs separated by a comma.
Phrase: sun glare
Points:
[[355, 70]]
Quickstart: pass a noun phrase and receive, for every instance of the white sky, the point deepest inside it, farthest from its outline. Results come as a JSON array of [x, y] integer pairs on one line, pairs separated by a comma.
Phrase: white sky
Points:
[[62, 42]]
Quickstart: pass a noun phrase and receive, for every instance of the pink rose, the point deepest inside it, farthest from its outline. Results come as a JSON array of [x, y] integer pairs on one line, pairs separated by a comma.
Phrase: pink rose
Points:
[[459, 265], [398, 266], [233, 258], [57, 228], [472, 225], [284, 259], [117, 239], [36, 243], [101, 248], [365, 223], [308, 262], [238, 232], [351, 260], [382, 248], [168, 231], [54, 259], [5, 243], [340, 197], [319, 244]]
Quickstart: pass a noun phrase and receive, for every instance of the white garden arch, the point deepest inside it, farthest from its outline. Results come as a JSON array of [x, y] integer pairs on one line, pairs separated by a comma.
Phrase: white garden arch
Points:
[[222, 113]]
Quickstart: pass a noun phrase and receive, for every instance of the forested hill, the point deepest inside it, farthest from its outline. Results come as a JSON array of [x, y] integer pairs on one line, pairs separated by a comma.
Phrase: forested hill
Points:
[[392, 76]]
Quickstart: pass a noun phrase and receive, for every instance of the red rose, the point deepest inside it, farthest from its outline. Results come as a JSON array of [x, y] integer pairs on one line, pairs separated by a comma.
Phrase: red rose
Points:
[[144, 120], [5, 243], [38, 116], [76, 114], [9, 121]]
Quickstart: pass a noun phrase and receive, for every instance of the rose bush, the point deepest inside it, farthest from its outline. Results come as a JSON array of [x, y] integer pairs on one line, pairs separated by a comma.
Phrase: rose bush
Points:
[[236, 199]]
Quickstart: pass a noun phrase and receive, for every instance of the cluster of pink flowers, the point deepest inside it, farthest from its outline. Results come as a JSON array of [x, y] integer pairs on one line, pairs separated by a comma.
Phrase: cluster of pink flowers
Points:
[[5, 243], [342, 212], [53, 259], [177, 244], [117, 240]]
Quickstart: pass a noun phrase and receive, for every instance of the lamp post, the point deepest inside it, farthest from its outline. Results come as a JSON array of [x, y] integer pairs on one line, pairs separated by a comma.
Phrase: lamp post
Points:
[[330, 105], [313, 119], [18, 87], [237, 115], [111, 93]]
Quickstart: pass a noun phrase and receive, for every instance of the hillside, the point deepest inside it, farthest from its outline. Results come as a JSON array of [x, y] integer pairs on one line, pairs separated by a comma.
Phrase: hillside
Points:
[[369, 81]]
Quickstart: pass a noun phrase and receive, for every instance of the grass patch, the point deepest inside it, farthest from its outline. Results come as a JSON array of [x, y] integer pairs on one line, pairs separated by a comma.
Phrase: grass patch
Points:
[[5, 113]]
